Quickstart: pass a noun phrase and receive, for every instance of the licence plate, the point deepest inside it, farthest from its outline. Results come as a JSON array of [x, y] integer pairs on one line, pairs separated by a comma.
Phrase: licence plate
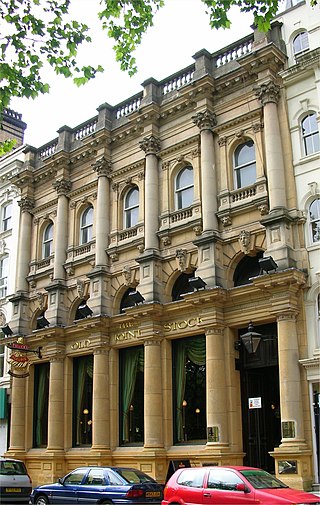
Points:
[[152, 494], [13, 489]]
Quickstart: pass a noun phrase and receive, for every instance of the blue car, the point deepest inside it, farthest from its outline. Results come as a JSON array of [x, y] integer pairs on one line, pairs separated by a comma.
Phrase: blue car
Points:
[[101, 485]]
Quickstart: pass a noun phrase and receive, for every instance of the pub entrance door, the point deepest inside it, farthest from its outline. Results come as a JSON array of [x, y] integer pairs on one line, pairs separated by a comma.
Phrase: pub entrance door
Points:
[[260, 399]]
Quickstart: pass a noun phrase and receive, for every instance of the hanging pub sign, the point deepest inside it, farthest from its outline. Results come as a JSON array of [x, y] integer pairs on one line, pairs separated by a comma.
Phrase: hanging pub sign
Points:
[[18, 360]]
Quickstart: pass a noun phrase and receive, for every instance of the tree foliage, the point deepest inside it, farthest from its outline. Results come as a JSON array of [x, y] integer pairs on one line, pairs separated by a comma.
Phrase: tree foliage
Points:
[[37, 31]]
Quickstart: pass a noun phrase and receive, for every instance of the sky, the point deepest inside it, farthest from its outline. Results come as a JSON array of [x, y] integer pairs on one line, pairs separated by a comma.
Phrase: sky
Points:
[[181, 28]]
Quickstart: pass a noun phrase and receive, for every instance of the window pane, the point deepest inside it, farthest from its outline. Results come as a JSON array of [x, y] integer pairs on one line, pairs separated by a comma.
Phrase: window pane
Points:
[[245, 165], [245, 153], [189, 389], [41, 404], [300, 43], [185, 198], [47, 241], [86, 226], [7, 214], [132, 395], [185, 178], [82, 400], [131, 208]]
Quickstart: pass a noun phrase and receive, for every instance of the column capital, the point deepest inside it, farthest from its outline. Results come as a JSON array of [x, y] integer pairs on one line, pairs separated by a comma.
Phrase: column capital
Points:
[[26, 204], [101, 350], [205, 120], [102, 166], [288, 315], [152, 341], [268, 92], [150, 145], [62, 186], [214, 330]]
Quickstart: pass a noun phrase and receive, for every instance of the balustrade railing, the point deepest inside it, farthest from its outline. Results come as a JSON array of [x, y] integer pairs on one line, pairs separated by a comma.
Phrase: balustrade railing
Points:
[[243, 194], [128, 234], [131, 105], [48, 149], [181, 215], [177, 80], [234, 51], [86, 129]]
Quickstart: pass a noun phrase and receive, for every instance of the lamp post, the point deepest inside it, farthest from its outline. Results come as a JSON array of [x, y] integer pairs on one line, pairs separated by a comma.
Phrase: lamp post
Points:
[[85, 432], [197, 417], [184, 405], [131, 409]]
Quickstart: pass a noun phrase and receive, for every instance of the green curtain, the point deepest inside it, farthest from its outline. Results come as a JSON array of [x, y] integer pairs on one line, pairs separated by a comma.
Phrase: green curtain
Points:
[[3, 403], [132, 362], [81, 377], [194, 349], [42, 402]]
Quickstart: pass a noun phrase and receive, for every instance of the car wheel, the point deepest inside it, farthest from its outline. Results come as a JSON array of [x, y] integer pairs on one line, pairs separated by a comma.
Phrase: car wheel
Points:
[[41, 500]]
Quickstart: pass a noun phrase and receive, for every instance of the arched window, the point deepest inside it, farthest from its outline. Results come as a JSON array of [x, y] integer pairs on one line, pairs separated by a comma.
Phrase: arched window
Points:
[[4, 271], [184, 188], [47, 245], [310, 134], [300, 43], [6, 217], [131, 208], [248, 267], [245, 164], [86, 225], [181, 286], [314, 217]]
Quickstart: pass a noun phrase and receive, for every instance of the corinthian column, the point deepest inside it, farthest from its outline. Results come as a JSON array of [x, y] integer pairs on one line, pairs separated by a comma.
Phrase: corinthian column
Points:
[[101, 400], [151, 146], [206, 121], [268, 94], [103, 169], [26, 205], [17, 431], [290, 382], [61, 229], [217, 417], [56, 403], [153, 418]]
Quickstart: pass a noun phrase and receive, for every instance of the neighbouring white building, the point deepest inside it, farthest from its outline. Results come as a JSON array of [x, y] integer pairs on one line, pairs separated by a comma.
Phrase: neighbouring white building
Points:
[[12, 127], [301, 34]]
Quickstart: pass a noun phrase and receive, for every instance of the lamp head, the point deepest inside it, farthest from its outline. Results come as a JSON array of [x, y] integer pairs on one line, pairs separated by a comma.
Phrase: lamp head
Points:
[[197, 283], [136, 297], [267, 264]]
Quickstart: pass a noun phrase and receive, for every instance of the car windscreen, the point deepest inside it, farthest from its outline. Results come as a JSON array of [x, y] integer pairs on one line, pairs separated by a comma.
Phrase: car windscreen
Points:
[[133, 476], [260, 479], [12, 468]]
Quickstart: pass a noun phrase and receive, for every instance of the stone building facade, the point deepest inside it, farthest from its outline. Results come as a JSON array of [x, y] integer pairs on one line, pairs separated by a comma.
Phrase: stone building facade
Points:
[[12, 126], [301, 79], [138, 274]]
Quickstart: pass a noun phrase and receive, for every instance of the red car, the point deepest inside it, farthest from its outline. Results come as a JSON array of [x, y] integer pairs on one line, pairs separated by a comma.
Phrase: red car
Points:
[[225, 485]]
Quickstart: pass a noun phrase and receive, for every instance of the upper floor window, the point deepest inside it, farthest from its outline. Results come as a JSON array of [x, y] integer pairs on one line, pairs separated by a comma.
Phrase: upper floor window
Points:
[[131, 208], [86, 226], [245, 164], [47, 245], [310, 134], [300, 43], [314, 216], [184, 188], [6, 217], [4, 268]]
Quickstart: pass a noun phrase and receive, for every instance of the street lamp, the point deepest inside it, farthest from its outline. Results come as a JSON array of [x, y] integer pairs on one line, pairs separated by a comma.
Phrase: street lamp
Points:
[[251, 340]]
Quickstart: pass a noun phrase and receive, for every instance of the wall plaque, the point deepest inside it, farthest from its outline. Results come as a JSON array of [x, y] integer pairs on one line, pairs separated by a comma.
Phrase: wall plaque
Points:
[[213, 433], [288, 429]]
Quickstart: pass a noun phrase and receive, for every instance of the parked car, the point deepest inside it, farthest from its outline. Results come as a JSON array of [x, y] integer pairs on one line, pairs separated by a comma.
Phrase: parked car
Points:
[[97, 484], [231, 485], [15, 483]]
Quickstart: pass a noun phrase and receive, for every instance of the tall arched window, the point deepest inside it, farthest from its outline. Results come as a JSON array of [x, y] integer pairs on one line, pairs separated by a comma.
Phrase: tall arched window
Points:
[[314, 217], [6, 217], [86, 225], [300, 43], [4, 271], [47, 245], [310, 134], [184, 188], [245, 164], [131, 208]]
